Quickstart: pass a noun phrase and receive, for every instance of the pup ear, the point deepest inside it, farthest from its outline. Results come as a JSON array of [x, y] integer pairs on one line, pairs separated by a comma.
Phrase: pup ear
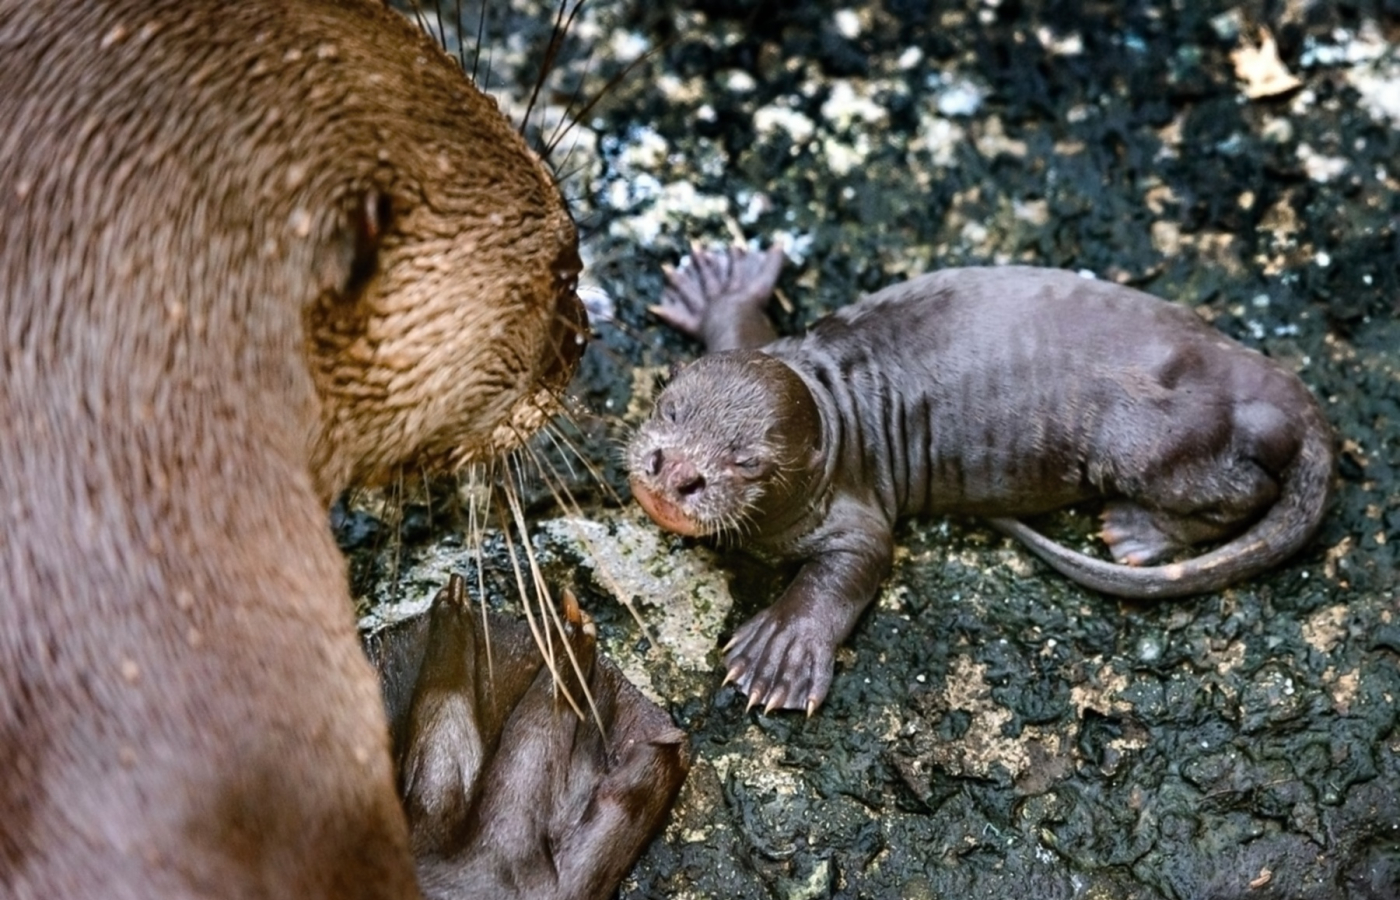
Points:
[[350, 260]]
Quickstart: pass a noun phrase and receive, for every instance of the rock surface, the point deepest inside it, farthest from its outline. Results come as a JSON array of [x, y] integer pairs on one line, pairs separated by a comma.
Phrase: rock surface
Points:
[[994, 730]]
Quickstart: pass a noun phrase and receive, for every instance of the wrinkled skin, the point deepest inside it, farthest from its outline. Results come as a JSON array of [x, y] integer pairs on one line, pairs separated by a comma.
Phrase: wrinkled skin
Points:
[[253, 252], [1000, 392]]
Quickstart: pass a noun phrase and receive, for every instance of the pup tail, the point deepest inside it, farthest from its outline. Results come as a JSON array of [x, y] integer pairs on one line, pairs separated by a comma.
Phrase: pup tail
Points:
[[1280, 533]]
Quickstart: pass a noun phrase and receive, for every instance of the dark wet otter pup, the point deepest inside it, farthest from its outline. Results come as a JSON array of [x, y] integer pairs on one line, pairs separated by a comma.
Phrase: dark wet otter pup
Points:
[[996, 392], [251, 252]]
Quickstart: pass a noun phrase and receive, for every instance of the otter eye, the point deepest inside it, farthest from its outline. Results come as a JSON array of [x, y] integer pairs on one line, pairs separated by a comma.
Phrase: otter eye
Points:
[[667, 409], [567, 266], [367, 217], [748, 463]]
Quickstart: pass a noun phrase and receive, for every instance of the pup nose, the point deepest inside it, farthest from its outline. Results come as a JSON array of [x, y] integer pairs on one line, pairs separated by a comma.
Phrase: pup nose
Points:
[[685, 479]]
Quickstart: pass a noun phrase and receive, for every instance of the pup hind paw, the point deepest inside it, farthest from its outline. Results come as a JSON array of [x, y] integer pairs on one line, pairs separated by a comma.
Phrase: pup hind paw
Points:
[[1133, 537]]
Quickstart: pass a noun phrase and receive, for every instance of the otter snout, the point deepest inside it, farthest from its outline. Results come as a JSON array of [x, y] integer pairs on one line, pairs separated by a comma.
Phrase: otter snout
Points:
[[667, 484], [675, 473]]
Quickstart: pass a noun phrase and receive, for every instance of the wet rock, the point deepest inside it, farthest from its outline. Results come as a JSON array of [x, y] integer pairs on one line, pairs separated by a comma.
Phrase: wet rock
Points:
[[993, 730]]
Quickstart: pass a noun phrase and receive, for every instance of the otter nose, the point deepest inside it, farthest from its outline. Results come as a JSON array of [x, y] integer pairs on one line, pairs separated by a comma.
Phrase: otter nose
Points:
[[685, 479], [654, 461]]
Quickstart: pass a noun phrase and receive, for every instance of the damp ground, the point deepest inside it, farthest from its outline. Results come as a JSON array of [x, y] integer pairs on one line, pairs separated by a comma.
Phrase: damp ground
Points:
[[993, 731]]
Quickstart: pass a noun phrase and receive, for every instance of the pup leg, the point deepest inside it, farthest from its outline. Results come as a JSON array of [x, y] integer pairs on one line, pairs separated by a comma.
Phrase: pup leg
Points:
[[1213, 473]]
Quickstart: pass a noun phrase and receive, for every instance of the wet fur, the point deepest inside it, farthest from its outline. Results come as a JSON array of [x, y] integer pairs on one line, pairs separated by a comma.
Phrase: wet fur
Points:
[[253, 252]]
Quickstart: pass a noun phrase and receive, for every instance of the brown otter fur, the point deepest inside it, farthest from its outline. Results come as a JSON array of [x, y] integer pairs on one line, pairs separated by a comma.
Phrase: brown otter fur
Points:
[[252, 252], [471, 729]]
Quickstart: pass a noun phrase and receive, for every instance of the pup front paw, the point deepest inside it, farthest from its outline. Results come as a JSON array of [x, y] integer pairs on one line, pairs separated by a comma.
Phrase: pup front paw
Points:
[[781, 661]]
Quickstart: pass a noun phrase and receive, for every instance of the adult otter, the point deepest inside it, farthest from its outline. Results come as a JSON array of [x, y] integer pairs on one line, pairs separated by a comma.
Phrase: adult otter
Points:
[[997, 392], [252, 252]]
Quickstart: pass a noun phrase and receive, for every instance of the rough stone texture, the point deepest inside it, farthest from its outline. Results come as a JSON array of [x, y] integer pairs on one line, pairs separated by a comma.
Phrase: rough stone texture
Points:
[[994, 730]]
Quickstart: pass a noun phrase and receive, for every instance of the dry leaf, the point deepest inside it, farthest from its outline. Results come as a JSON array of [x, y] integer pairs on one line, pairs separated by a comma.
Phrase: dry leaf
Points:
[[1263, 73]]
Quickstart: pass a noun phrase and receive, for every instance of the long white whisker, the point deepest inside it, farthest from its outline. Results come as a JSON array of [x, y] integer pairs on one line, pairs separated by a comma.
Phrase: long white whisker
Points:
[[542, 640], [477, 536], [569, 503], [556, 435], [547, 605]]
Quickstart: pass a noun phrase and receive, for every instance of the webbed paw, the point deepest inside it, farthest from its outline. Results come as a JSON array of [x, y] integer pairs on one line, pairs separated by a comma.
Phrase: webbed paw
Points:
[[508, 792], [1133, 537], [781, 661], [717, 283]]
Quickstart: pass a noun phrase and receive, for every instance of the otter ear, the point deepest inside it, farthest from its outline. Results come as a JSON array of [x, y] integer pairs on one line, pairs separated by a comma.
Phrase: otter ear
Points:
[[352, 258]]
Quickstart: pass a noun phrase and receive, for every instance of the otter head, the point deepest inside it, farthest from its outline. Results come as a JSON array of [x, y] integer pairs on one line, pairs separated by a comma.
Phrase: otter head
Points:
[[449, 321], [732, 448]]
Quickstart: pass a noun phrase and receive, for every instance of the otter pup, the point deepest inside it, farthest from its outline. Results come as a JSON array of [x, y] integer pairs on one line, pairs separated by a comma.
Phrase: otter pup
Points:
[[252, 252], [997, 392]]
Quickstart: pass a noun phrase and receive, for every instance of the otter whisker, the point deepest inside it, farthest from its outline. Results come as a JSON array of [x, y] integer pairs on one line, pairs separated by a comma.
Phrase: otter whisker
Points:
[[617, 443], [512, 486], [577, 415], [477, 537], [540, 461], [551, 56], [569, 503], [515, 480], [543, 641], [427, 492], [576, 411], [733, 527], [480, 32], [485, 84], [745, 517], [781, 481], [425, 24], [607, 89], [419, 20], [565, 446], [461, 44], [559, 173], [396, 493], [736, 526], [549, 477], [589, 225], [546, 602], [563, 174]]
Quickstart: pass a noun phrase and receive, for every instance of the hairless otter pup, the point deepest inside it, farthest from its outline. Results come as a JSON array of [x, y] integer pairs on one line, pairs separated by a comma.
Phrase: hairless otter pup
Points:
[[998, 392]]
